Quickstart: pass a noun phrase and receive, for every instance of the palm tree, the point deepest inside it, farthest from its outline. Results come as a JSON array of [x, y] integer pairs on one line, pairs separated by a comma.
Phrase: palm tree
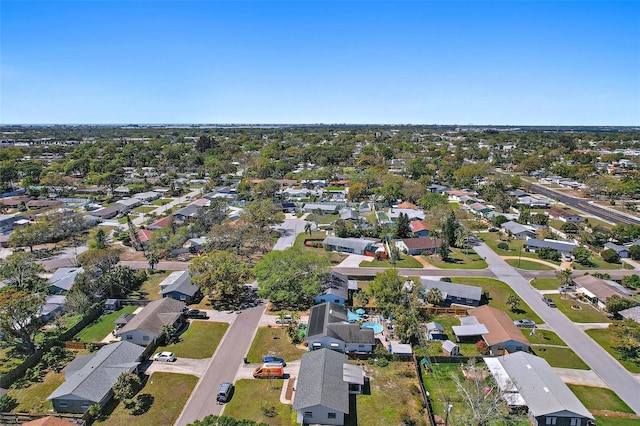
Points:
[[153, 260], [565, 276], [434, 296]]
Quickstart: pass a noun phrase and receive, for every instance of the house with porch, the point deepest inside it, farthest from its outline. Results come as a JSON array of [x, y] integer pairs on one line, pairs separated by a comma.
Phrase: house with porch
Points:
[[349, 245], [178, 286]]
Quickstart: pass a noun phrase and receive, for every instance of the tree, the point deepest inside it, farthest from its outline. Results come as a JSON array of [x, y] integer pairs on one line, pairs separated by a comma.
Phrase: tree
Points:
[[386, 288], [20, 318], [634, 252], [513, 302], [626, 339], [78, 301], [357, 192], [565, 276], [631, 281], [153, 259], [291, 278], [222, 275], [570, 228], [445, 251], [99, 262], [262, 214], [582, 255], [432, 199], [403, 229], [20, 271], [29, 235], [307, 228], [98, 240], [610, 256], [126, 386], [208, 216], [360, 299], [615, 304], [482, 398], [434, 296], [449, 229]]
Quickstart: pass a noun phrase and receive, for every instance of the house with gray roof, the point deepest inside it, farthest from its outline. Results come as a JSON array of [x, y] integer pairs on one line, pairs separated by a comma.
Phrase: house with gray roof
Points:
[[348, 245], [623, 251], [106, 212], [349, 214], [188, 213], [178, 286], [337, 289], [548, 400], [329, 328], [320, 208], [322, 390], [518, 231], [89, 378], [532, 202], [394, 214], [128, 204], [147, 325], [147, 196], [452, 293], [562, 247], [62, 279], [631, 313]]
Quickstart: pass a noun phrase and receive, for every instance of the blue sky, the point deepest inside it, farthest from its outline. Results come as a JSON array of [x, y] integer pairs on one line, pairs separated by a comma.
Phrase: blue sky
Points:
[[535, 63]]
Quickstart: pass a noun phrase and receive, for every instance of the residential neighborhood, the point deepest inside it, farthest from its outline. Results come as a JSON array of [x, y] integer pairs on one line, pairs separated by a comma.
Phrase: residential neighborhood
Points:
[[319, 274]]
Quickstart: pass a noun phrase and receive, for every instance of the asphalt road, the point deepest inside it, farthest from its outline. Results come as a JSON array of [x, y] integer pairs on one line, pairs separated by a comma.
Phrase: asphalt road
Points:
[[223, 366], [370, 272], [289, 230], [603, 364], [585, 205]]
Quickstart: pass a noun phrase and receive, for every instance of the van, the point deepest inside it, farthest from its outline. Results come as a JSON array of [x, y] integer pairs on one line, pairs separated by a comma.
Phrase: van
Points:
[[225, 391], [269, 371]]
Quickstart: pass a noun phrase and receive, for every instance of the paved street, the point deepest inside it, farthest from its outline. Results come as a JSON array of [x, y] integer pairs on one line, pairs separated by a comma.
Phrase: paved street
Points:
[[289, 230], [603, 364], [222, 367]]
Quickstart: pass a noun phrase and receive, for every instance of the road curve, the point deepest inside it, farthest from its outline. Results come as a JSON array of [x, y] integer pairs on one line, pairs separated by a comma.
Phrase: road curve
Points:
[[223, 366]]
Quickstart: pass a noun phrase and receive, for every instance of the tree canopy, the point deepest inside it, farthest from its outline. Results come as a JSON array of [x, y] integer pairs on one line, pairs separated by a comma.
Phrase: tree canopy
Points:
[[222, 276]]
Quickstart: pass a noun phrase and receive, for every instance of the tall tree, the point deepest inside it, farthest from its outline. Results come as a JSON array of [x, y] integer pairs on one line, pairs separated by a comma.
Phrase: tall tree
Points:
[[403, 229], [262, 214], [19, 318], [20, 271], [221, 275], [291, 278], [386, 288], [98, 239]]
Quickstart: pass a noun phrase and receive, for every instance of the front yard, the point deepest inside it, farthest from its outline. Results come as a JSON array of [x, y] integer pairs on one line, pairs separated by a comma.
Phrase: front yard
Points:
[[168, 392], [545, 283], [405, 261], [529, 265], [199, 341], [560, 357], [578, 311], [603, 337], [273, 341], [607, 407], [99, 329], [459, 259], [259, 400]]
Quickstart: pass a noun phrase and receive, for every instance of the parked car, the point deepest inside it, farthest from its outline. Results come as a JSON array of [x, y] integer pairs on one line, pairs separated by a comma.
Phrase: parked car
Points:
[[288, 319], [549, 302], [164, 356], [524, 323], [196, 313], [273, 360], [565, 288], [225, 392]]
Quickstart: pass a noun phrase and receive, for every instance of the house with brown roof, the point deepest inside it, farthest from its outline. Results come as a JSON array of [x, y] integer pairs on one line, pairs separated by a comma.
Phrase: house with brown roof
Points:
[[414, 246], [419, 228], [162, 223], [503, 336], [146, 326], [598, 290], [563, 215], [407, 205], [40, 204]]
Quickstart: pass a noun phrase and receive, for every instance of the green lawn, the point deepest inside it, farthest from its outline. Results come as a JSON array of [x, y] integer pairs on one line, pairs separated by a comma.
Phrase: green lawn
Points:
[[616, 421], [315, 235], [459, 259], [150, 288], [395, 395], [560, 357], [529, 265], [543, 337], [275, 342], [597, 264], [98, 330], [161, 201], [33, 399], [199, 341], [600, 399], [498, 294], [545, 283], [169, 392], [145, 209], [492, 239], [251, 397], [588, 313], [406, 261], [8, 361], [603, 338]]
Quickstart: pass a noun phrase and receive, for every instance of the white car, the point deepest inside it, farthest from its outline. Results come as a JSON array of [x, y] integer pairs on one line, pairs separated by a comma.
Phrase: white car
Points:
[[164, 356]]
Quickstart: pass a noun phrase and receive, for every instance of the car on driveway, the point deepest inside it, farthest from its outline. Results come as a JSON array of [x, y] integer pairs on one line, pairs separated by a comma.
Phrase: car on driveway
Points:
[[550, 303], [565, 288], [273, 360], [524, 323], [196, 314], [225, 392], [287, 319], [164, 356]]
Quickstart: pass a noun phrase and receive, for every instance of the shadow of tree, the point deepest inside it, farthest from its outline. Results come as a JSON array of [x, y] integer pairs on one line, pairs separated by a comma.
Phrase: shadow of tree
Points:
[[142, 403]]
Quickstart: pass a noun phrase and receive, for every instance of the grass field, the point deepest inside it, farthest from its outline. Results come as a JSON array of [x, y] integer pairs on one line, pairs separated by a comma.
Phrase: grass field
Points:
[[600, 399], [252, 398], [199, 341], [543, 337], [597, 264], [275, 342], [588, 313], [33, 399], [616, 421], [492, 239], [98, 330], [529, 265], [161, 201], [560, 357], [8, 361], [406, 261], [545, 283], [145, 209], [395, 396], [150, 288], [498, 294], [168, 391], [603, 338], [459, 260]]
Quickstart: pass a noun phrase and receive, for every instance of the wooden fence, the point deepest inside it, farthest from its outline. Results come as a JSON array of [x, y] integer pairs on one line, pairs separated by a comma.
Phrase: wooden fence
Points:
[[19, 418], [436, 310]]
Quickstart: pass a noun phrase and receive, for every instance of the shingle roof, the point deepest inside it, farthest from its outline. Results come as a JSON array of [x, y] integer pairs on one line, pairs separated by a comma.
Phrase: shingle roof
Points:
[[321, 382], [351, 333], [49, 421], [322, 314], [598, 287], [95, 379], [155, 315], [500, 326], [543, 391], [516, 228], [178, 281], [418, 225], [452, 289], [352, 243], [562, 246], [64, 277], [632, 313], [422, 243], [188, 211]]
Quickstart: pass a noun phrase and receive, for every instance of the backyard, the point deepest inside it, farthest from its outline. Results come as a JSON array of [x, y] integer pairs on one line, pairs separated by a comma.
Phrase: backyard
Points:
[[149, 290], [167, 392], [267, 408], [199, 341], [33, 398], [273, 341], [100, 328]]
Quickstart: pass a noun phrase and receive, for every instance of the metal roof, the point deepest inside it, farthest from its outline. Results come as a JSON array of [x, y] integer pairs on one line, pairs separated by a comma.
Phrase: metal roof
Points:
[[561, 246], [352, 243], [321, 381], [155, 315], [452, 289]]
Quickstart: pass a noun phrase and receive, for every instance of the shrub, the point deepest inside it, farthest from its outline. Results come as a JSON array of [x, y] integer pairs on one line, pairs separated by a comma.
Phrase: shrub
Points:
[[7, 403], [610, 256], [503, 246]]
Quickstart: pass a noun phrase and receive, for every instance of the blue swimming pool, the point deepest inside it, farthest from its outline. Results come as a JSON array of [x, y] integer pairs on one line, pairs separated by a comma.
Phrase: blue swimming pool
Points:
[[377, 328]]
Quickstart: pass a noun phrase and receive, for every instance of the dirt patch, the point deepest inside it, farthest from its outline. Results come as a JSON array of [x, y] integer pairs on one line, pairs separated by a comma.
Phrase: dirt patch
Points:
[[618, 414], [289, 392], [129, 254]]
